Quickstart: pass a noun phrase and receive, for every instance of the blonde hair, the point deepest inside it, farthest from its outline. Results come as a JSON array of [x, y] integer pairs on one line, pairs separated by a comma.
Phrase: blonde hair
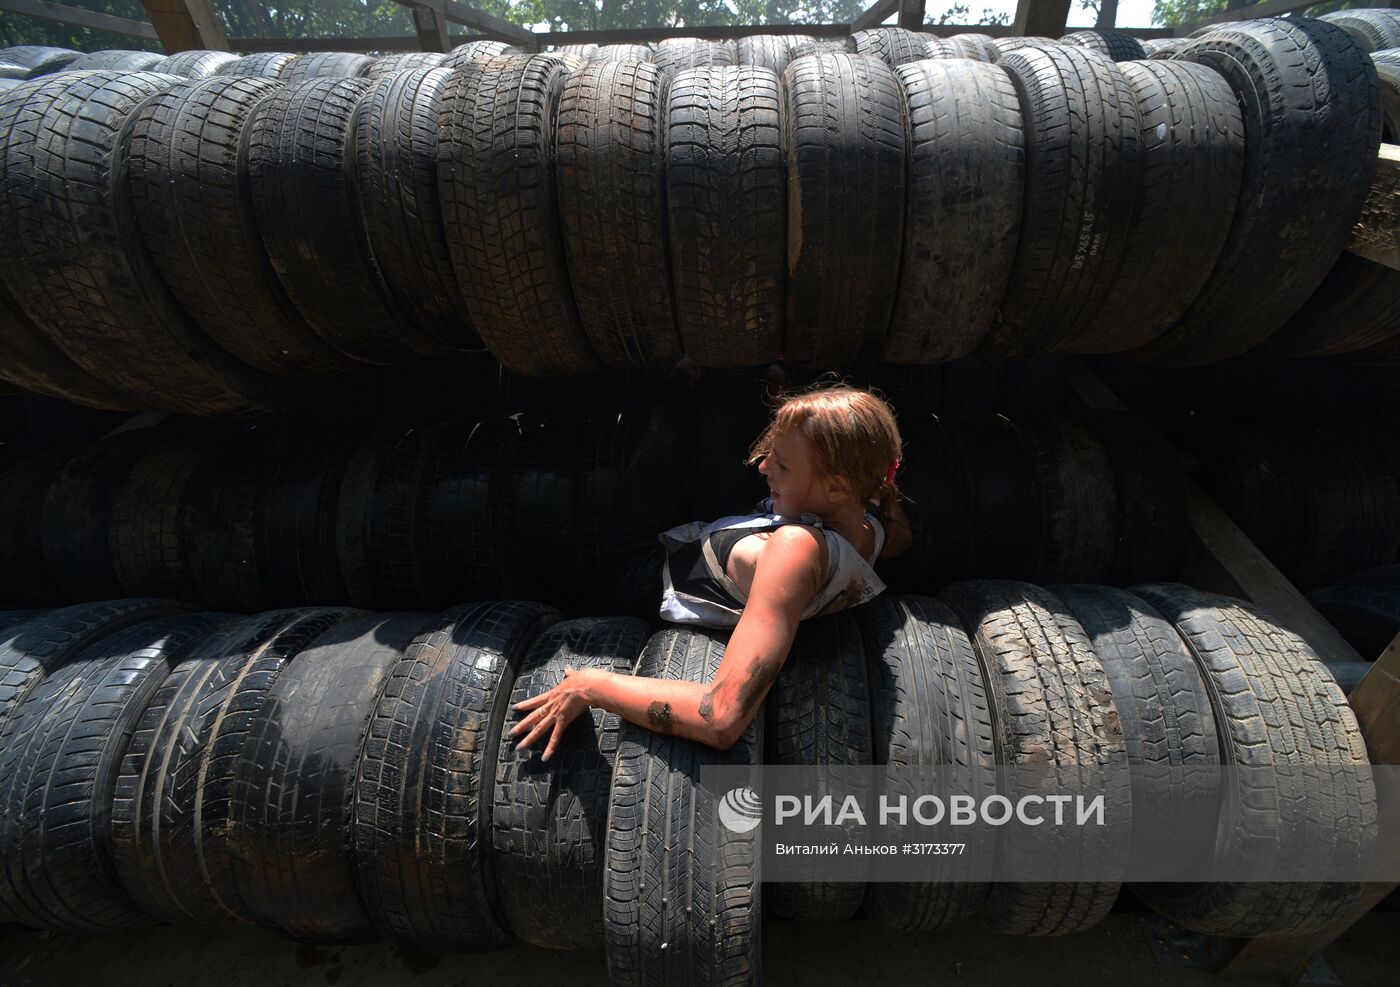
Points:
[[852, 433]]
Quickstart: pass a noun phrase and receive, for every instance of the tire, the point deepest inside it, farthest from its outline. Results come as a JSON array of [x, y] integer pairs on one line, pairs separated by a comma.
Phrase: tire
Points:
[[846, 143], [75, 520], [818, 713], [674, 55], [609, 164], [407, 61], [1163, 47], [549, 822], [1153, 531], [621, 53], [396, 186], [295, 527], [1367, 616], [221, 544], [300, 151], [1082, 172], [1116, 46], [65, 202], [422, 829], [1372, 30], [1077, 497], [672, 877], [1192, 162], [1039, 666], [40, 60], [187, 175], [195, 64], [10, 619], [325, 65], [1003, 504], [1354, 310], [539, 513], [1004, 46], [170, 807], [894, 45], [726, 202], [1389, 56], [966, 186], [1255, 476], [1311, 133], [462, 544], [1168, 726], [1254, 671], [151, 517], [767, 51], [817, 46], [25, 577], [60, 759], [477, 51], [501, 214], [1352, 504], [267, 64], [293, 790], [116, 60], [940, 510], [978, 47], [929, 709]]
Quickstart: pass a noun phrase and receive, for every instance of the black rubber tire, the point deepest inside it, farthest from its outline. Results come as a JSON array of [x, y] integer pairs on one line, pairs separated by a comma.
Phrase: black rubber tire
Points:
[[1001, 47], [939, 505], [422, 833], [1368, 616], [674, 55], [1163, 47], [978, 47], [501, 214], [1275, 704], [818, 713], [326, 65], [187, 174], [1153, 531], [1168, 726], [1003, 513], [290, 829], [609, 164], [726, 199], [1390, 56], [463, 551], [75, 521], [768, 51], [300, 153], [894, 45], [11, 619], [549, 822], [170, 807], [396, 175], [195, 64], [25, 578], [538, 513], [1192, 163], [966, 186], [149, 529], [1372, 30], [221, 540], [477, 51], [405, 61], [581, 51], [1050, 702], [1077, 497], [817, 46], [295, 528], [40, 59], [1082, 170], [1352, 505], [65, 207], [1312, 114], [59, 764], [622, 53], [1254, 474], [116, 60], [1116, 46], [929, 709], [267, 64], [846, 138], [1355, 309], [673, 877], [610, 448]]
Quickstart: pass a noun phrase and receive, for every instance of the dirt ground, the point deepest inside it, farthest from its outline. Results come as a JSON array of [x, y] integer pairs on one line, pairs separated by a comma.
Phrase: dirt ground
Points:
[[1119, 951]]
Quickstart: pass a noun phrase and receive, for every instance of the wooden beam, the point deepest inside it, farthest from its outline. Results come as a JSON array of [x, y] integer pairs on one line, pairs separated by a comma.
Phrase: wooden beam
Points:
[[78, 17], [401, 43], [1040, 18], [185, 25], [874, 15], [911, 15], [488, 24], [1376, 235], [625, 36], [432, 29]]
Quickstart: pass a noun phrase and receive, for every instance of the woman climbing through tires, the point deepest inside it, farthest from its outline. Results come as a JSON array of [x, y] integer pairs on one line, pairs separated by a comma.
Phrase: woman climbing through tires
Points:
[[829, 457]]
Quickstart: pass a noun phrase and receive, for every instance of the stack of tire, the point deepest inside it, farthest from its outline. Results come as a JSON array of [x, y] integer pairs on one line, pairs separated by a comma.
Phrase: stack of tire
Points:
[[576, 215], [1364, 608], [334, 775]]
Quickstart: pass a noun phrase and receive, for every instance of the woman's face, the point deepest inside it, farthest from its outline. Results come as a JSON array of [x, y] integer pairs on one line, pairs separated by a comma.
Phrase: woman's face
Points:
[[793, 480]]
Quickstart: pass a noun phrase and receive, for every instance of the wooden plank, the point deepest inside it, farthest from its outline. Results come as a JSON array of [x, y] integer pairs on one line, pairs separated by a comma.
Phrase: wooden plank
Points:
[[78, 17], [874, 15], [401, 43], [911, 14], [630, 36], [1040, 18], [1376, 235], [488, 24], [432, 30], [185, 25]]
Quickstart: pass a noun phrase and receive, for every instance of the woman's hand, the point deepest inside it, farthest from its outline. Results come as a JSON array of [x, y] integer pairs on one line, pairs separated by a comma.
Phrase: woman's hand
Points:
[[553, 710]]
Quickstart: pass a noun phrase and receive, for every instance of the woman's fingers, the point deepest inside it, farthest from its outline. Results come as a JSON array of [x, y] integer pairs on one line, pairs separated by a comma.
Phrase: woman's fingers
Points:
[[559, 726], [538, 731], [533, 701]]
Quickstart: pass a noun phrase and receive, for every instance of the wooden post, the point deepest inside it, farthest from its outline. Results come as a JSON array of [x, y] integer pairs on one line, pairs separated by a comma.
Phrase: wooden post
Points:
[[183, 25], [1108, 15], [1040, 18], [911, 14], [431, 26]]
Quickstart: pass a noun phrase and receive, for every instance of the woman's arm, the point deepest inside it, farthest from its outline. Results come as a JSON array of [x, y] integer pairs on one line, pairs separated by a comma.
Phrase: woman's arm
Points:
[[786, 579], [899, 536]]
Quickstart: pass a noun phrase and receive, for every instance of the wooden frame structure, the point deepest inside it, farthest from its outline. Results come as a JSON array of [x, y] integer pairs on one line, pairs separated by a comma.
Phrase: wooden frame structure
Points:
[[1223, 559]]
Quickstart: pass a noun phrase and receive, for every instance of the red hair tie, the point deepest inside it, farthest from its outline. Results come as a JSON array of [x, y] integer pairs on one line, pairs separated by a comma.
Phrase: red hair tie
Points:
[[889, 477]]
